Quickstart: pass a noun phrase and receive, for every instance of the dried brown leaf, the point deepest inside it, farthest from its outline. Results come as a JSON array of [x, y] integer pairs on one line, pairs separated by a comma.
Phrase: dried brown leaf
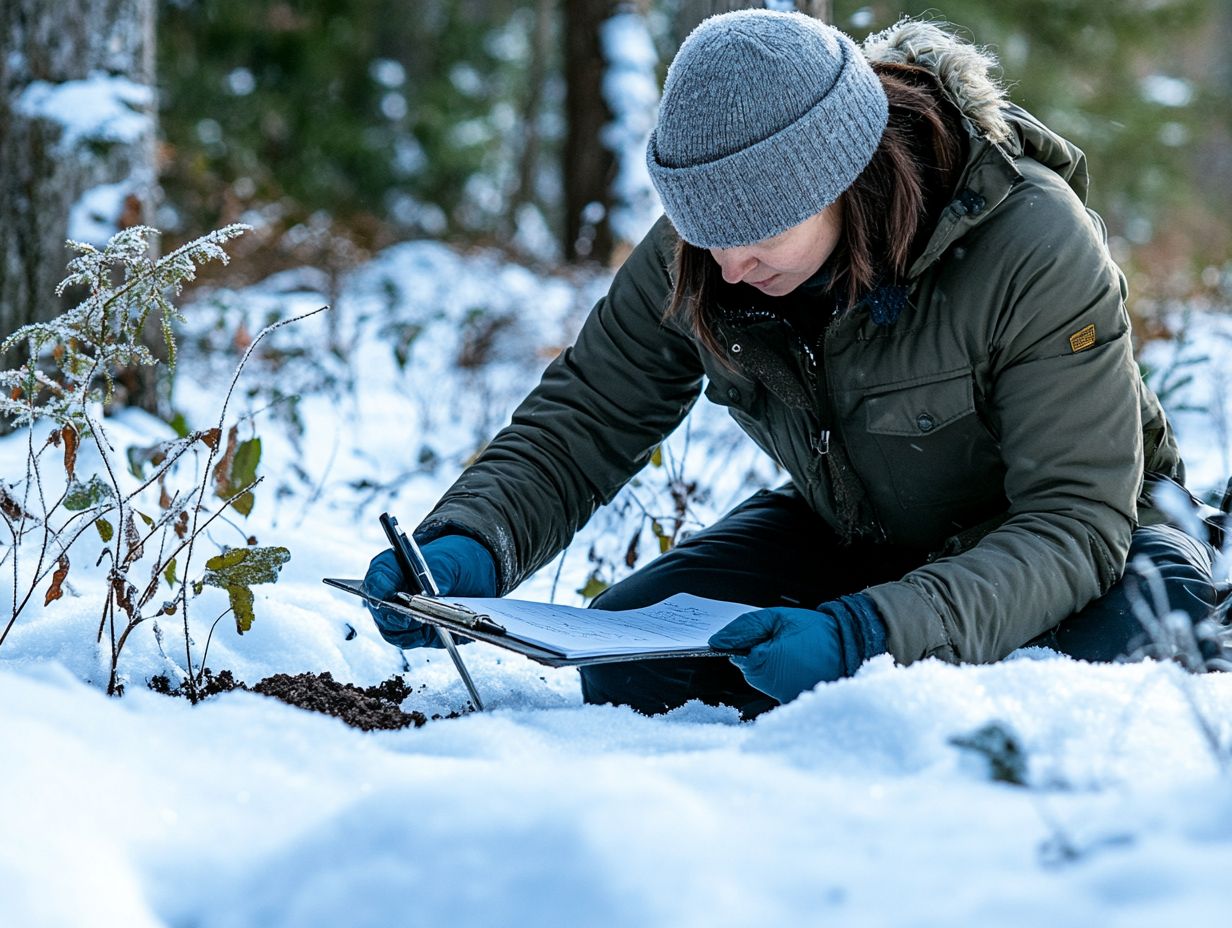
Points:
[[150, 590], [133, 537], [210, 438], [55, 591], [222, 470], [631, 551], [242, 339], [181, 525], [9, 505], [69, 434], [123, 591]]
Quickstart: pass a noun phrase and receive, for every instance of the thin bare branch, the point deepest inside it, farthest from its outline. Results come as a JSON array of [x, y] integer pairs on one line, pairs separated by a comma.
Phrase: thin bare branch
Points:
[[205, 655]]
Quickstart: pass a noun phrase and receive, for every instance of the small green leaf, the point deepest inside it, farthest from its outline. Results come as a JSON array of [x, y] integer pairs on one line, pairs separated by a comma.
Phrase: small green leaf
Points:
[[656, 456], [241, 604], [247, 457], [105, 530], [665, 540], [244, 472], [180, 425], [169, 573], [136, 466], [243, 503], [237, 570], [228, 559], [146, 519], [84, 495], [594, 586], [237, 469]]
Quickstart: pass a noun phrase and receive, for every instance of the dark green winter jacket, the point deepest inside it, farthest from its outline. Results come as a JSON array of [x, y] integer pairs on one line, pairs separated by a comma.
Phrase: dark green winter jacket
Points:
[[999, 423]]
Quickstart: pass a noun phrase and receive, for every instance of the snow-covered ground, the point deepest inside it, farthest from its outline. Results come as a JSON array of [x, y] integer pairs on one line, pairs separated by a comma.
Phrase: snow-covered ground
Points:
[[845, 807], [849, 806]]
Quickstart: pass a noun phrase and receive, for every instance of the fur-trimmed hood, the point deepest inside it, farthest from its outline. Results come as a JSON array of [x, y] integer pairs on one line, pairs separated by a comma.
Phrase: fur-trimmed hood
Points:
[[1000, 132], [965, 71]]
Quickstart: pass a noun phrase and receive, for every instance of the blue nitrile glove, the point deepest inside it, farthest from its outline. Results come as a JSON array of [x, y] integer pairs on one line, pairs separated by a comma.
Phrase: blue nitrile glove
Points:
[[783, 651], [460, 566]]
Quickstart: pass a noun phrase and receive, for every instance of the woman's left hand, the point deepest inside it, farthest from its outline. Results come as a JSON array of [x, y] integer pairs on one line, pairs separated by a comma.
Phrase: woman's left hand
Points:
[[784, 651]]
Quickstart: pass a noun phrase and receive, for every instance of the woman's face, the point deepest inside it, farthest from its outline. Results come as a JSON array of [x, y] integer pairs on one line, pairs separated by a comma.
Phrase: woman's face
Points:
[[776, 266]]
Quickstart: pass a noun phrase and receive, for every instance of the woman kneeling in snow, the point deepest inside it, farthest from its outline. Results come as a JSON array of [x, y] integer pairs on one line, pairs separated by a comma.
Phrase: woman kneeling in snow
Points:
[[887, 274]]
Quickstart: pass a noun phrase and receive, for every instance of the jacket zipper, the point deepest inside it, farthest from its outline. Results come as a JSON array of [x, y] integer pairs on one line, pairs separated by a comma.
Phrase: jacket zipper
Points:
[[819, 439], [827, 332]]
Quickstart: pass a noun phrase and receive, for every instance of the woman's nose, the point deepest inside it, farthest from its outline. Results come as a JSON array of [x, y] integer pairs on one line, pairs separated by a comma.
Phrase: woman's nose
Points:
[[734, 263]]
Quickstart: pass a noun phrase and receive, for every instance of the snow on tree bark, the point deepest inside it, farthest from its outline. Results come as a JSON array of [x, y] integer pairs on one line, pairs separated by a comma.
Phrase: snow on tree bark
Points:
[[77, 137], [631, 91]]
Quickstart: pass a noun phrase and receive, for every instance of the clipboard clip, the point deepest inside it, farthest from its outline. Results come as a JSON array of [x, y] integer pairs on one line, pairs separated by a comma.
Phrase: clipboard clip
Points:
[[453, 613]]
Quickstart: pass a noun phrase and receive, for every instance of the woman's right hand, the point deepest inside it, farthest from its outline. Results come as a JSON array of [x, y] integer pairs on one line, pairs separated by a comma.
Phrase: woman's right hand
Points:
[[460, 566]]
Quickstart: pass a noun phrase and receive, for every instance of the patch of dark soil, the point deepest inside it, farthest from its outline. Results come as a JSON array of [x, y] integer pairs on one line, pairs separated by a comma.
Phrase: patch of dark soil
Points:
[[211, 685], [369, 708]]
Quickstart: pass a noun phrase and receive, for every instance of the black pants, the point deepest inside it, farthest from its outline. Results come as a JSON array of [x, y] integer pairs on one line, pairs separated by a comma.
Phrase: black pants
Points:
[[765, 552]]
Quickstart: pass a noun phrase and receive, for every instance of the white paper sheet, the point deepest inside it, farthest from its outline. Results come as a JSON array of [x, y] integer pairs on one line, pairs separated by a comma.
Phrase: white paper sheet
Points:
[[682, 622]]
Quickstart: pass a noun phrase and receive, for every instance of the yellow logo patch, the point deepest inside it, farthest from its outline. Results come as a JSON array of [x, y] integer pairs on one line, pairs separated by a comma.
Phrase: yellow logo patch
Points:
[[1083, 338]]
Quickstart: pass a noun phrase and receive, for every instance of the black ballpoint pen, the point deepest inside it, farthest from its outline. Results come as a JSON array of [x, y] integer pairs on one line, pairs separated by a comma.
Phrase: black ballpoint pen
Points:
[[415, 570]]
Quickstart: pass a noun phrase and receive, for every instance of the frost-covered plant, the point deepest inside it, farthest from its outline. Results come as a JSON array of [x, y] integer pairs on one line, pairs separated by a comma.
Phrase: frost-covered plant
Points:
[[662, 501], [1172, 381], [88, 345], [1205, 646], [71, 368]]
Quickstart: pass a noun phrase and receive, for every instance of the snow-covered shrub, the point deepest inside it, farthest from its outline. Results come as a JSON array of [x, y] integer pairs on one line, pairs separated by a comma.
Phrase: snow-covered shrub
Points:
[[150, 515]]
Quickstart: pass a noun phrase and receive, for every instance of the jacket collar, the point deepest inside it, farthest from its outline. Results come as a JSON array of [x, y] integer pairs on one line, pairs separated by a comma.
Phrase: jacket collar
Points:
[[986, 180], [991, 173]]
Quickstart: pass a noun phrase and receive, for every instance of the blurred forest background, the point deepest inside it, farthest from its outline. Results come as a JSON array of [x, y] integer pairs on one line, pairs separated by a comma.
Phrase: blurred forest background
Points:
[[337, 127], [363, 121]]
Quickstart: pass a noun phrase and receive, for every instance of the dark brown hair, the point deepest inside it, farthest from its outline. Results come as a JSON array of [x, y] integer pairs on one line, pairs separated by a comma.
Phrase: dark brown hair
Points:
[[911, 175]]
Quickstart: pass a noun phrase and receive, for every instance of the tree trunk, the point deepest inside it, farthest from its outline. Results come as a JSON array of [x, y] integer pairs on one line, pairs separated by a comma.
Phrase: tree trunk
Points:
[[528, 160], [589, 166], [77, 135]]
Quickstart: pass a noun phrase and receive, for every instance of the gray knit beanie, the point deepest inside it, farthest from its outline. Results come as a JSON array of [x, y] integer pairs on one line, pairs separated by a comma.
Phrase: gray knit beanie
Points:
[[765, 119]]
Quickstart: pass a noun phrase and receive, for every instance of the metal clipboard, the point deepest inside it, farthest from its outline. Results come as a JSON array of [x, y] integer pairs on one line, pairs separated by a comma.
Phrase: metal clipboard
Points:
[[482, 628]]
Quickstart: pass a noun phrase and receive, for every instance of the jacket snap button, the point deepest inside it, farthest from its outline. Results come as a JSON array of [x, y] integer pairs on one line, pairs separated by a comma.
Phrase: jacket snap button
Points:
[[736, 349], [925, 422], [733, 394]]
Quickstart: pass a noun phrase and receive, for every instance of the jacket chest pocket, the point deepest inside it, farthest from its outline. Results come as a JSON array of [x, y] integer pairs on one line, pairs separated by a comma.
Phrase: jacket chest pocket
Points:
[[933, 449]]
